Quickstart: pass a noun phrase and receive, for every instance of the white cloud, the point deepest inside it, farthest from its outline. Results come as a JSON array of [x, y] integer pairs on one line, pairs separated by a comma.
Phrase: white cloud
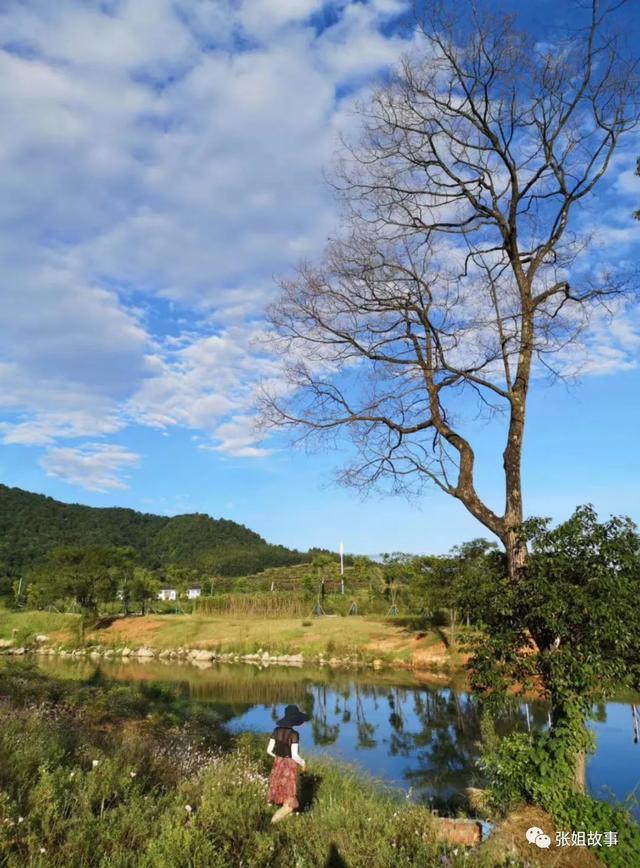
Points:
[[160, 161], [239, 438], [95, 466], [159, 150]]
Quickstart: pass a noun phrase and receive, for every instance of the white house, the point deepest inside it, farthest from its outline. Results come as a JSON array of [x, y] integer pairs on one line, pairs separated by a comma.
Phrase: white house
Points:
[[193, 593], [167, 594]]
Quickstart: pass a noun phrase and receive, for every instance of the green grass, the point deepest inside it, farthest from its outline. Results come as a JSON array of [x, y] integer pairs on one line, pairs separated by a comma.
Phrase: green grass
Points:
[[25, 626], [93, 774], [331, 636]]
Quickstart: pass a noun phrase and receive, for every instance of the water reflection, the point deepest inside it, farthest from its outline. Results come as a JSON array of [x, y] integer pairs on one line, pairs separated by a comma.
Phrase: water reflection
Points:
[[418, 737]]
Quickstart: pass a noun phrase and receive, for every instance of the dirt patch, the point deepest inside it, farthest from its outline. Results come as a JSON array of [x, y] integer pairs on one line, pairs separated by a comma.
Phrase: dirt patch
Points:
[[510, 839], [387, 646], [433, 655], [134, 631], [59, 636]]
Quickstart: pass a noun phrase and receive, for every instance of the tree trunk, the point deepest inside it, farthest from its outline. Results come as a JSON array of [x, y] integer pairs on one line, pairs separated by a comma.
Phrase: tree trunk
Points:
[[580, 779], [559, 715], [516, 550]]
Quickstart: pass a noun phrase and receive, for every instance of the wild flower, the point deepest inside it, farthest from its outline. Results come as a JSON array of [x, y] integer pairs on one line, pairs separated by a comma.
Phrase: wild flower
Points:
[[188, 809], [132, 774], [95, 763]]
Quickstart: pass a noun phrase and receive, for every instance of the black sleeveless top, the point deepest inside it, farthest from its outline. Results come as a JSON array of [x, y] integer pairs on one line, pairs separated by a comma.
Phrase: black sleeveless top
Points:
[[284, 737]]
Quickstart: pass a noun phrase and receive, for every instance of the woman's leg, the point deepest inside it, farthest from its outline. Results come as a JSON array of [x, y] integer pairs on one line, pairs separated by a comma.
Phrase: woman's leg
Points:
[[281, 813]]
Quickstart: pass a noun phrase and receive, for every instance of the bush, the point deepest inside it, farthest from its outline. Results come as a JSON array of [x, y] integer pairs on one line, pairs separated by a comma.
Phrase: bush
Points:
[[76, 792], [538, 769]]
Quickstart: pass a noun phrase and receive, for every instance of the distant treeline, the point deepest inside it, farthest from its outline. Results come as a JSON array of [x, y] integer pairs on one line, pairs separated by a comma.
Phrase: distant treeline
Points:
[[32, 526]]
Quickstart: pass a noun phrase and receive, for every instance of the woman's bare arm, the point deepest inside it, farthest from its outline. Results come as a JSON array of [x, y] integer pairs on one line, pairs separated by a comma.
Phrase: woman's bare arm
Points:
[[271, 746], [295, 756]]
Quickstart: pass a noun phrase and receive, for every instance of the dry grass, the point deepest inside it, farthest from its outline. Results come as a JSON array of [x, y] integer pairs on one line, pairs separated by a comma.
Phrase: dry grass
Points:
[[332, 636], [510, 839]]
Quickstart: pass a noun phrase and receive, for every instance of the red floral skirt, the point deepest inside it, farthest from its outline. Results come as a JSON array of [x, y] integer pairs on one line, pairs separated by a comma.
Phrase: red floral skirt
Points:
[[283, 784]]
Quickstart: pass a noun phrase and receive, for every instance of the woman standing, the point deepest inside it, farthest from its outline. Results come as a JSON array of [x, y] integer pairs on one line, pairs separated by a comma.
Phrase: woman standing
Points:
[[283, 746]]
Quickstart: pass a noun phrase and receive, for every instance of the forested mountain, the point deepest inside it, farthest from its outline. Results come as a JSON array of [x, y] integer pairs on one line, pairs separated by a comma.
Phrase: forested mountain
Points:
[[31, 525]]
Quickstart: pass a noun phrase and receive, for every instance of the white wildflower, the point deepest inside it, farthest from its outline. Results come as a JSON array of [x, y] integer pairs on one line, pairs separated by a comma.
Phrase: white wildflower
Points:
[[42, 850], [188, 809], [132, 774], [95, 763]]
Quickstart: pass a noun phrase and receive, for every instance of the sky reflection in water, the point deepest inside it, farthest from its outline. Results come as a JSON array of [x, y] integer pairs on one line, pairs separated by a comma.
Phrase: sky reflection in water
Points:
[[420, 738]]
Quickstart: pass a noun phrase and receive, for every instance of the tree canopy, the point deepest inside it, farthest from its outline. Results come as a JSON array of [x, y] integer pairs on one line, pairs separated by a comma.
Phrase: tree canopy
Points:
[[579, 605], [32, 525]]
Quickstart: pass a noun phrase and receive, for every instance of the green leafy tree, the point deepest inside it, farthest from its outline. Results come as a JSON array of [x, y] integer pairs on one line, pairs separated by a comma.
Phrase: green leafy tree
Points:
[[398, 570], [144, 587], [87, 576], [31, 525], [477, 561], [579, 604], [367, 572], [122, 569]]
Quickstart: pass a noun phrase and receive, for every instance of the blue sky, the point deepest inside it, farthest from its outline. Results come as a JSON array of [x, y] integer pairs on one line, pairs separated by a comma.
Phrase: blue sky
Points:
[[160, 161]]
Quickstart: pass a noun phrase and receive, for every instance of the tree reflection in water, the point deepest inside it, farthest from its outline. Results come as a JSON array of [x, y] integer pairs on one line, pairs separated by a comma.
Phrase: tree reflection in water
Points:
[[365, 729], [324, 733], [401, 732]]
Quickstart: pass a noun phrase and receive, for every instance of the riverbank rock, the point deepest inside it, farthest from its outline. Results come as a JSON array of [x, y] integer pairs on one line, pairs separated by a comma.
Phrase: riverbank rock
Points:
[[126, 652], [145, 652], [377, 663]]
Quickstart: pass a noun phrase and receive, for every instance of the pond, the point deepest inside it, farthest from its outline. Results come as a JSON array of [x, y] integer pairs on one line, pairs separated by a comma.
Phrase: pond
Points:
[[421, 738]]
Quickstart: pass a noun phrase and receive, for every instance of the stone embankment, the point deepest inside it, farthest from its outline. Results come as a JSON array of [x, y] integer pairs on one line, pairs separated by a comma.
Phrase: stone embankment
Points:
[[201, 657]]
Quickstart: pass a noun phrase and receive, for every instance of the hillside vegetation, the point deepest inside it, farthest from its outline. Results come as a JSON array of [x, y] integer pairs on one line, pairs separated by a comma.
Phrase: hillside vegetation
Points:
[[31, 525]]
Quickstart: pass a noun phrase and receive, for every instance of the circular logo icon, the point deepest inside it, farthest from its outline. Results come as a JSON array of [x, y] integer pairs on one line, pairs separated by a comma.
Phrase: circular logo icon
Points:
[[533, 833]]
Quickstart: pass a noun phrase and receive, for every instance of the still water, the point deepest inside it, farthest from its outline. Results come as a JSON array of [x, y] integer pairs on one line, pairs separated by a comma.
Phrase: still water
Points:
[[421, 738]]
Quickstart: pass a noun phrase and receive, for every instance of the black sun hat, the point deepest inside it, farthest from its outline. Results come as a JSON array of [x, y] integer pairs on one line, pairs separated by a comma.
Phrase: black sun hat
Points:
[[292, 716]]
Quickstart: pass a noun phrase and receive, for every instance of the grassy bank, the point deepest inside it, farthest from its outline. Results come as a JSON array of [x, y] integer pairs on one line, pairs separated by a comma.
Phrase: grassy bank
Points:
[[394, 642], [97, 774]]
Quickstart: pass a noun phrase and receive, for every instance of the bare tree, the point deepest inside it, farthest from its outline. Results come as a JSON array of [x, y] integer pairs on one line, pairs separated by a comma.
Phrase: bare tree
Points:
[[454, 279]]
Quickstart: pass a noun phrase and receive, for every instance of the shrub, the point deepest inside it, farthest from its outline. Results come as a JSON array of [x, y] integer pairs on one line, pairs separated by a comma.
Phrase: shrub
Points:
[[76, 792], [538, 769]]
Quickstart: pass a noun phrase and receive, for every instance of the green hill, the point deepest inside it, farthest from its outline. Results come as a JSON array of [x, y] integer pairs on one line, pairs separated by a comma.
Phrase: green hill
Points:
[[33, 524]]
